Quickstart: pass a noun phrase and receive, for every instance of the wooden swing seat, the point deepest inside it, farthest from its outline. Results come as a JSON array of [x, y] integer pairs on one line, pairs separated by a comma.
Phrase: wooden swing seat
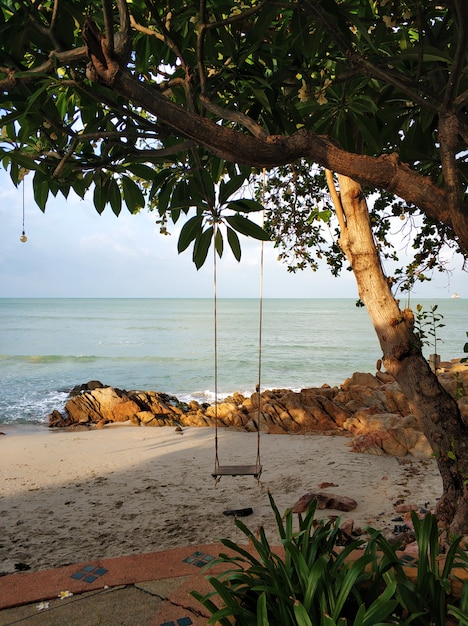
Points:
[[237, 470]]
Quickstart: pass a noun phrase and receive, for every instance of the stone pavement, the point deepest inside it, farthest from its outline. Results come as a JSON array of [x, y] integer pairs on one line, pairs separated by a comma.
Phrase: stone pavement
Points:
[[150, 589], [143, 590]]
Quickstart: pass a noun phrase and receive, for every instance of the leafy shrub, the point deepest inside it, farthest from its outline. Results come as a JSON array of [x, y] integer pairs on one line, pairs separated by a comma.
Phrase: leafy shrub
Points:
[[426, 325], [465, 350], [317, 582]]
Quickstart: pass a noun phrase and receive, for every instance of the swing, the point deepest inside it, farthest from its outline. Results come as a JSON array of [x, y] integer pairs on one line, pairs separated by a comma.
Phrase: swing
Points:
[[237, 470]]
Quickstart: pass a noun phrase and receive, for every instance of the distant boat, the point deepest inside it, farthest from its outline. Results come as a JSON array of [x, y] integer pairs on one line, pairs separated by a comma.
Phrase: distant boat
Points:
[[455, 295]]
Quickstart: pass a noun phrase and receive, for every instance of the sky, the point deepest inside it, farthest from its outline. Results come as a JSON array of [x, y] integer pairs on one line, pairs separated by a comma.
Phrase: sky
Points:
[[74, 252]]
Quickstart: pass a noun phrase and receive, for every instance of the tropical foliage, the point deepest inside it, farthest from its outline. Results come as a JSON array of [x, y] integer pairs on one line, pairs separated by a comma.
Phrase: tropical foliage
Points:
[[378, 77], [321, 579]]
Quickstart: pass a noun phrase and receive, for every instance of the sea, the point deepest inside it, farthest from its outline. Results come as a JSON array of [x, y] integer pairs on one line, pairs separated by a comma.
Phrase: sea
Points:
[[48, 346]]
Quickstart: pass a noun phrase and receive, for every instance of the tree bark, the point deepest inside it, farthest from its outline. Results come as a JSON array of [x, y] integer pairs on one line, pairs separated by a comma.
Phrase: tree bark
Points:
[[437, 412]]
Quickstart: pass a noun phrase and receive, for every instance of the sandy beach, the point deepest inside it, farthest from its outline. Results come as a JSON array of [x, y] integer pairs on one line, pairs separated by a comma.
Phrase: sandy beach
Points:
[[70, 496]]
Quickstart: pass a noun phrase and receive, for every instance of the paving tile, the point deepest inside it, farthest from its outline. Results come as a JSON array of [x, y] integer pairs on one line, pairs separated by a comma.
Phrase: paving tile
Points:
[[125, 606], [164, 579], [164, 588], [175, 615]]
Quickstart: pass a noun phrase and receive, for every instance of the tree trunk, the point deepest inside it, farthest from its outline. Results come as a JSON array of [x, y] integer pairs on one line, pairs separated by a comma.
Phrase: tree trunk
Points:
[[437, 412]]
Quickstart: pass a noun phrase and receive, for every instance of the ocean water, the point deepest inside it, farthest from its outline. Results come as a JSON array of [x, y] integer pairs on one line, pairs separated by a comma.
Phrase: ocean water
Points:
[[47, 346]]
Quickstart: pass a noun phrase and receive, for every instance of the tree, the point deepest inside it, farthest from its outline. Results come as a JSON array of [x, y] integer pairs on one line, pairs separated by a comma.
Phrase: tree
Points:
[[174, 105]]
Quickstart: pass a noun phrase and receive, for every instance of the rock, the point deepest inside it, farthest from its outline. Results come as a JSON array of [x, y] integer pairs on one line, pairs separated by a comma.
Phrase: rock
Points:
[[102, 403], [324, 501], [56, 420], [89, 386], [373, 408], [347, 527], [404, 508], [394, 441], [359, 379], [364, 421]]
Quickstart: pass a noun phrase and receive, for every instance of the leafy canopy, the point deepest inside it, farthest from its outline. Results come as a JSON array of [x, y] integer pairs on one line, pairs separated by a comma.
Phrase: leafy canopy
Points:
[[175, 105]]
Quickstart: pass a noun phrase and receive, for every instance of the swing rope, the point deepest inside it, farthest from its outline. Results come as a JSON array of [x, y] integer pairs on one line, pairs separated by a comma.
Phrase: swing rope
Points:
[[232, 470], [260, 332], [215, 326]]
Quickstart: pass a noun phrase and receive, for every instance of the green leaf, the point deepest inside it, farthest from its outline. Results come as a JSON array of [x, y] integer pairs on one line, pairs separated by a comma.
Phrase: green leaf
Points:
[[204, 187], [262, 613], [244, 226], [356, 570], [460, 615], [301, 615], [201, 247], [101, 183], [133, 196], [141, 170], [163, 198], [115, 197], [190, 231], [181, 197], [259, 95], [381, 609], [227, 188], [234, 244], [41, 190], [245, 205], [160, 182], [219, 243]]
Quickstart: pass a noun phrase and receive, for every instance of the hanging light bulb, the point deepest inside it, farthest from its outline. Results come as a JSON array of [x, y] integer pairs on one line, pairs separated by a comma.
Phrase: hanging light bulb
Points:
[[23, 237]]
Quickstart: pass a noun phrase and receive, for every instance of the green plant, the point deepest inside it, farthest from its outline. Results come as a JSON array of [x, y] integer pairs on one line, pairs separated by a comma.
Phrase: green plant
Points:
[[427, 323], [465, 350], [317, 582], [427, 597], [459, 385]]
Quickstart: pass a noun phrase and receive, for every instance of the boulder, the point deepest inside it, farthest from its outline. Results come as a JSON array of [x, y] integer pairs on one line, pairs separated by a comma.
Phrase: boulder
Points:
[[89, 386], [324, 501], [393, 441], [102, 403]]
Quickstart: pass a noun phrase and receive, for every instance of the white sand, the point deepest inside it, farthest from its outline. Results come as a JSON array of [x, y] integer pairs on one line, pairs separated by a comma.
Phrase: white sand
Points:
[[72, 496]]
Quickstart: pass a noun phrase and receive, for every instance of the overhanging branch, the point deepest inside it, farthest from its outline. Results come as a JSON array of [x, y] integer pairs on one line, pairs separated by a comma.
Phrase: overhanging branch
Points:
[[385, 171]]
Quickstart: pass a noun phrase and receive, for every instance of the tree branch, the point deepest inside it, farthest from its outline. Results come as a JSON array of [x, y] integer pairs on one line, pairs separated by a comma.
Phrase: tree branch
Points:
[[384, 172], [457, 66], [201, 47], [55, 58], [411, 89], [336, 202], [240, 17], [108, 25], [49, 32], [235, 116], [165, 36], [135, 153]]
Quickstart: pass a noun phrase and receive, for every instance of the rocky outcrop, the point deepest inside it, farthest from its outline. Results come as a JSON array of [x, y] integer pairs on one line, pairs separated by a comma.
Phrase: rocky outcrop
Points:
[[371, 408]]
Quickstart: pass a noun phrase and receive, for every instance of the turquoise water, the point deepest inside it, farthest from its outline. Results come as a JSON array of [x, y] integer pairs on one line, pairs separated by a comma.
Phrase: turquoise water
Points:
[[47, 346]]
